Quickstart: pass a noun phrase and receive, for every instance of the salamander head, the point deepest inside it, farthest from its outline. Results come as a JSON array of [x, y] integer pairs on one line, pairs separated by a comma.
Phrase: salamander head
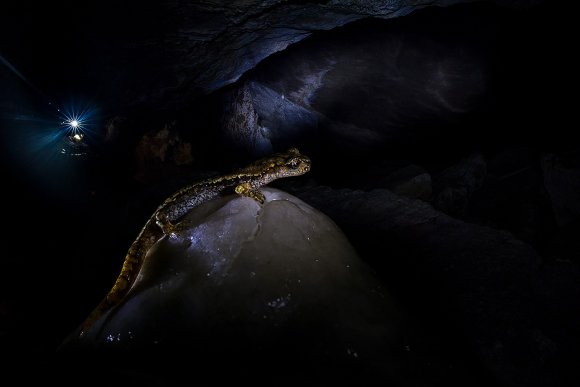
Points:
[[291, 163], [279, 165]]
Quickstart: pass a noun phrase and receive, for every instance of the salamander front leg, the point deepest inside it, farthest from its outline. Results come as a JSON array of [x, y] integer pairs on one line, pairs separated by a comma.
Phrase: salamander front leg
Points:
[[247, 190], [164, 224]]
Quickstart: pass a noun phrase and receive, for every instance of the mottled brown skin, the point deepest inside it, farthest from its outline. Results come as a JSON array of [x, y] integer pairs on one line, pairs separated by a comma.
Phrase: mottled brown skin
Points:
[[245, 182]]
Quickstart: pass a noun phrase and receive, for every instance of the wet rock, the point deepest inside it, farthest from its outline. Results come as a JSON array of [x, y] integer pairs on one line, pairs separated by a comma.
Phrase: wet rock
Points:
[[263, 291]]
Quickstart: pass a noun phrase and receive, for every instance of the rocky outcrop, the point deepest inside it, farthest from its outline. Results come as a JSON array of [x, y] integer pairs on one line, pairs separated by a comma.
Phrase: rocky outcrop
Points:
[[208, 45], [265, 291], [487, 281], [369, 86]]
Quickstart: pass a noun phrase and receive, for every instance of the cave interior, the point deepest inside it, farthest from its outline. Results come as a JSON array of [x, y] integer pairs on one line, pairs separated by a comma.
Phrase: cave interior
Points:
[[440, 141]]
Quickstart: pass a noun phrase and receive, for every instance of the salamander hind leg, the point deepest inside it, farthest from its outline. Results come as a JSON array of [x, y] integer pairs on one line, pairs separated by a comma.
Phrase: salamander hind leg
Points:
[[247, 190]]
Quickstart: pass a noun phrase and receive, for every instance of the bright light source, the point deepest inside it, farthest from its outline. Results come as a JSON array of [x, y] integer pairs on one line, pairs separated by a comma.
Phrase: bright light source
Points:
[[76, 124], [73, 124]]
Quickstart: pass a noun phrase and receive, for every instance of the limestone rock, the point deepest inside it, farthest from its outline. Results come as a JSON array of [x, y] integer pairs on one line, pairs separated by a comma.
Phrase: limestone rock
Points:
[[250, 287]]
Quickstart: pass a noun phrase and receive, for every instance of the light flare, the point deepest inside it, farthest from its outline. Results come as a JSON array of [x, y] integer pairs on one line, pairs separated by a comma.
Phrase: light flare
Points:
[[75, 122]]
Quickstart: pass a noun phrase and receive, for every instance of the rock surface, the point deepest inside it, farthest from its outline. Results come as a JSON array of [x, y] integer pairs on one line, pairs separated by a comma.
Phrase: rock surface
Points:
[[241, 284], [218, 41], [199, 47], [490, 285], [368, 86]]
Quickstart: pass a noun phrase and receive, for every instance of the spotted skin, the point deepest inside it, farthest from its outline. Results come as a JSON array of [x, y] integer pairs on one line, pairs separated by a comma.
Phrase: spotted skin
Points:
[[245, 182]]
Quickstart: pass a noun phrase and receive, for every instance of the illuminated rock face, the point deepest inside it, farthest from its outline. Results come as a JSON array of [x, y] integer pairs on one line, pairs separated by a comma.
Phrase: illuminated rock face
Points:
[[242, 284]]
